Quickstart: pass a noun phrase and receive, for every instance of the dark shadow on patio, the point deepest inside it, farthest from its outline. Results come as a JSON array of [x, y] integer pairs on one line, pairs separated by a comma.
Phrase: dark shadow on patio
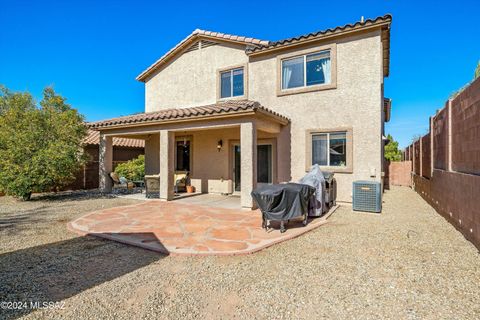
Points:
[[76, 195], [59, 270]]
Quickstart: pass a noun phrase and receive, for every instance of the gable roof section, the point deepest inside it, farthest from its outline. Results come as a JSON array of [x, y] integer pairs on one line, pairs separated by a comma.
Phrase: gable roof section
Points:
[[229, 108], [383, 22], [93, 138], [198, 34], [257, 46]]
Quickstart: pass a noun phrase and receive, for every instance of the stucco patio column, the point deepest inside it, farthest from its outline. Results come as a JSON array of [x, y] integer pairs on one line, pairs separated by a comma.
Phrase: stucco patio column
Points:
[[284, 154], [248, 162], [105, 163], [167, 157]]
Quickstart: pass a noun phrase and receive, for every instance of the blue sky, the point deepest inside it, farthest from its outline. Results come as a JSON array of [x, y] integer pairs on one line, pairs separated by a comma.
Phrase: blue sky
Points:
[[91, 51]]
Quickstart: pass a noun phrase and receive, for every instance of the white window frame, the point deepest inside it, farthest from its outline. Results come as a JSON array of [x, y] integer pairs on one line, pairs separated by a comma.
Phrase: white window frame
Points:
[[304, 56], [331, 47], [231, 82]]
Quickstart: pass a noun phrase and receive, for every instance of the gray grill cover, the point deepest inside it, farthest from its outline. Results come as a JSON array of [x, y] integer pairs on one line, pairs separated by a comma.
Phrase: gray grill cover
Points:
[[315, 179], [283, 201]]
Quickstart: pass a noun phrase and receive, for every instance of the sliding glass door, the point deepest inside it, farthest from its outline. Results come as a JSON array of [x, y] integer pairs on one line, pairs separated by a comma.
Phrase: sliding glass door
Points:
[[264, 163]]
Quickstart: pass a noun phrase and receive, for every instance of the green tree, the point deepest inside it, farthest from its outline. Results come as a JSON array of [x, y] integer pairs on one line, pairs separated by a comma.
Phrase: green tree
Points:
[[40, 146], [392, 153], [133, 170]]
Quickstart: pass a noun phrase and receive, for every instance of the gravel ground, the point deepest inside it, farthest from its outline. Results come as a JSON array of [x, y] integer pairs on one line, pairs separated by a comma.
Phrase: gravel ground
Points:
[[407, 263]]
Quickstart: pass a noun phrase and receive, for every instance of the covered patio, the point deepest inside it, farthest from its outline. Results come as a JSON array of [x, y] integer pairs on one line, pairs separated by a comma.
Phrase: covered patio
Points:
[[226, 148]]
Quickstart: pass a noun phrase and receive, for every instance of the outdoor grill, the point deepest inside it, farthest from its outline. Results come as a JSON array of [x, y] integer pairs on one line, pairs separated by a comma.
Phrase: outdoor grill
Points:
[[325, 190], [312, 196], [283, 202], [330, 189]]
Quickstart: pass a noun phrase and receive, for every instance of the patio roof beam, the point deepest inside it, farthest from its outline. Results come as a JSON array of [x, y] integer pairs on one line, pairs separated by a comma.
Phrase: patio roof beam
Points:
[[268, 126]]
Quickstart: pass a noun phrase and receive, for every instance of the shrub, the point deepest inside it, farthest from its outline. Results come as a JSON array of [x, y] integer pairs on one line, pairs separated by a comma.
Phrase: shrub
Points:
[[40, 146], [133, 170]]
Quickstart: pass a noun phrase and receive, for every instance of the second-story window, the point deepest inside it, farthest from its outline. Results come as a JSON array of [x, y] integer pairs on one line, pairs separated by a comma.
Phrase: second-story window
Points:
[[306, 70], [231, 83]]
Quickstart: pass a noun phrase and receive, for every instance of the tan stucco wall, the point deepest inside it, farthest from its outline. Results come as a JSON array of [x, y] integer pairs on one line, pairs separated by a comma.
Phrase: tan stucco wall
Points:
[[191, 79], [209, 163], [356, 102], [152, 154]]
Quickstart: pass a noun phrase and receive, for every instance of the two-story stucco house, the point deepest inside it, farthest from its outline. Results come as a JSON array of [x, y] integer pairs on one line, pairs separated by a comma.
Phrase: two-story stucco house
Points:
[[236, 111]]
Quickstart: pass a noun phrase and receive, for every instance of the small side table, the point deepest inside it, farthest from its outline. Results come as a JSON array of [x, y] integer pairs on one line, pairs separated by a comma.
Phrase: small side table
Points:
[[139, 184]]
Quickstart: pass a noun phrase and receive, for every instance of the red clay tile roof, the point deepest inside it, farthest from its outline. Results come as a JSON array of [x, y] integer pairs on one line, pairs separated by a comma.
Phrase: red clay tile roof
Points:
[[198, 34], [229, 107], [93, 138], [320, 34]]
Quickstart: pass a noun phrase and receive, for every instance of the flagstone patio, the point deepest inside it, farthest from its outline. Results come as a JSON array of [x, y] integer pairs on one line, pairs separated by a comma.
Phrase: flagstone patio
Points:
[[179, 228]]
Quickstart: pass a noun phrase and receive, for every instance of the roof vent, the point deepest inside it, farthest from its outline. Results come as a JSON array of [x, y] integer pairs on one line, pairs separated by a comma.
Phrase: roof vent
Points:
[[193, 47], [206, 43], [362, 19]]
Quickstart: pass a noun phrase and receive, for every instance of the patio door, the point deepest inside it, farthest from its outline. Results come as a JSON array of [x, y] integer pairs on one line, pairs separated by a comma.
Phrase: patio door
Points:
[[264, 165], [236, 167]]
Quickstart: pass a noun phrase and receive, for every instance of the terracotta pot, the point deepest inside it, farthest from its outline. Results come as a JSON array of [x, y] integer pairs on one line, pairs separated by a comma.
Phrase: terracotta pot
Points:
[[190, 189]]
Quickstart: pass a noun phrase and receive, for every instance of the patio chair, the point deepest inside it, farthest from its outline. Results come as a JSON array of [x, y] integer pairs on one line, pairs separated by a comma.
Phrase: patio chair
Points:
[[120, 182], [181, 179]]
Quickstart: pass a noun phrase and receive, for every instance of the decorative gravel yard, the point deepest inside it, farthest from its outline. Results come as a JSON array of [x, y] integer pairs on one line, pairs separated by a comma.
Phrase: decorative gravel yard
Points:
[[406, 263]]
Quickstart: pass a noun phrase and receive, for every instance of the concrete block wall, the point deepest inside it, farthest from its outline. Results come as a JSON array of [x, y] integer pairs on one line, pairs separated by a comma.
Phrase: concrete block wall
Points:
[[416, 157], [452, 188], [454, 195], [465, 128], [398, 173], [426, 156], [440, 139]]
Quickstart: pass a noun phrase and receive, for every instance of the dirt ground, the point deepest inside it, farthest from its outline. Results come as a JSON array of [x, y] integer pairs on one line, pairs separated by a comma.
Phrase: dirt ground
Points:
[[407, 263]]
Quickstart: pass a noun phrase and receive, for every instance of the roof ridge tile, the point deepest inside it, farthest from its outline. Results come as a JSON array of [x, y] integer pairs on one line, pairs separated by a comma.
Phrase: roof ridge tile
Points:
[[228, 106], [281, 42]]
